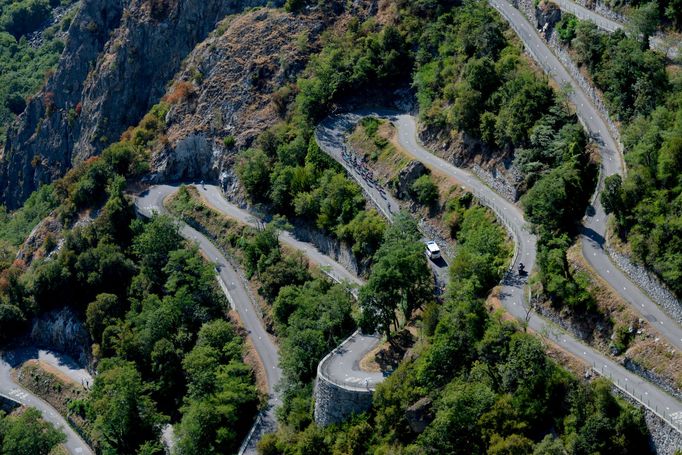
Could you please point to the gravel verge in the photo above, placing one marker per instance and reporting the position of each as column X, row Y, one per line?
column 649, row 283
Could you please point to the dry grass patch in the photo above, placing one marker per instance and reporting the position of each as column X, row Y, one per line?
column 52, row 386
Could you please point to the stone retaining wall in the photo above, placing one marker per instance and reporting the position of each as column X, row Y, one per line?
column 334, row 404
column 665, row 440
column 603, row 10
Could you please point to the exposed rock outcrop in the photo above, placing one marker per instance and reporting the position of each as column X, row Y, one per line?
column 118, row 58
column 407, row 176
column 225, row 90
column 42, row 240
column 62, row 331
column 39, row 144
column 490, row 164
column 419, row 415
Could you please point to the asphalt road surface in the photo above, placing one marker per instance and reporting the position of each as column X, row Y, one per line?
column 10, row 389
column 62, row 362
column 341, row 366
column 512, row 294
column 331, row 136
column 609, row 25
column 342, row 369
column 214, row 197
column 150, row 202
column 594, row 223
column 587, row 14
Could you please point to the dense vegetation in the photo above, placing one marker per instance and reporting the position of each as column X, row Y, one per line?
column 400, row 282
column 289, row 172
column 647, row 205
column 481, row 384
column 23, row 68
column 631, row 76
column 665, row 12
column 310, row 314
column 648, row 99
column 166, row 352
column 472, row 79
column 26, row 433
column 153, row 309
column 16, row 227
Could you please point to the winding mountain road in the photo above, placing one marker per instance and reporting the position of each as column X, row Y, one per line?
column 342, row 366
column 150, row 202
column 15, row 392
column 587, row 14
column 594, row 224
column 331, row 135
column 657, row 42
column 214, row 197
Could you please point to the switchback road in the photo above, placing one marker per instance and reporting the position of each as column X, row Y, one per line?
column 150, row 202
column 511, row 294
column 594, row 224
column 342, row 366
column 10, row 389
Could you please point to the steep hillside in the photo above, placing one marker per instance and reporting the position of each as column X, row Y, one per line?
column 118, row 58
column 227, row 92
column 238, row 83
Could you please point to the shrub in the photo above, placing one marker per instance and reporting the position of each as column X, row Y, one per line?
column 229, row 141
column 425, row 190
column 180, row 92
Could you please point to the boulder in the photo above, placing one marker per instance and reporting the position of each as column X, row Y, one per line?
column 419, row 415
column 407, row 177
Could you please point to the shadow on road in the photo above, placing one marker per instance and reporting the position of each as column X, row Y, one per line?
column 18, row 356
column 593, row 235
column 440, row 263
column 515, row 279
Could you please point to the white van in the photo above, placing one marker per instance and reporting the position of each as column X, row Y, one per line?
column 432, row 250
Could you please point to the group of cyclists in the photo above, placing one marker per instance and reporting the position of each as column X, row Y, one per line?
column 362, row 169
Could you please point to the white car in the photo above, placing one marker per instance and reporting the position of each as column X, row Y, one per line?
column 432, row 250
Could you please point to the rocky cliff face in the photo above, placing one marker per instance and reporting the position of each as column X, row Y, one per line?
column 237, row 83
column 119, row 56
column 224, row 96
column 39, row 144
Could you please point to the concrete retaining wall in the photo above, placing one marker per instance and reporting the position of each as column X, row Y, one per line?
column 334, row 404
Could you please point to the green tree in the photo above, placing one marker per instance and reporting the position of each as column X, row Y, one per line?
column 552, row 202
column 28, row 434
column 364, row 232
column 644, row 21
column 214, row 424
column 611, row 197
column 254, row 173
column 124, row 415
column 153, row 245
column 455, row 429
column 400, row 278
column 588, row 44
column 425, row 190
column 102, row 313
